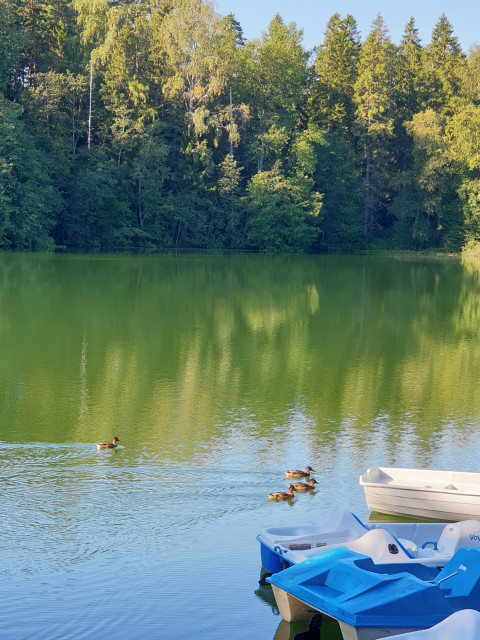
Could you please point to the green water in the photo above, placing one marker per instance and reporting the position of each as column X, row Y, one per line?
column 216, row 373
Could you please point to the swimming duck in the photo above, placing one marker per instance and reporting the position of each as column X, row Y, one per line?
column 108, row 445
column 304, row 486
column 296, row 473
column 282, row 495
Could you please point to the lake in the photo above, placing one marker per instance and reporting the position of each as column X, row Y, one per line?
column 216, row 373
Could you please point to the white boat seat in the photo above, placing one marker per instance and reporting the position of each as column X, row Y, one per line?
column 465, row 533
column 382, row 547
column 409, row 545
column 454, row 536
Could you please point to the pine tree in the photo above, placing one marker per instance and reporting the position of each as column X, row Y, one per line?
column 331, row 103
column 443, row 65
column 374, row 98
column 409, row 73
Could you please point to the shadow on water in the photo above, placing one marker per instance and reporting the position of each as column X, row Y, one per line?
column 375, row 516
column 330, row 629
column 288, row 630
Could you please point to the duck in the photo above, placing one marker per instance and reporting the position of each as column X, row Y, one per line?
column 296, row 473
column 304, row 486
column 282, row 495
column 108, row 445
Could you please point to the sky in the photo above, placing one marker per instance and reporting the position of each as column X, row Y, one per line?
column 312, row 16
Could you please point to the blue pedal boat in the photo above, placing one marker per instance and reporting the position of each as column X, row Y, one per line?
column 373, row 600
column 429, row 543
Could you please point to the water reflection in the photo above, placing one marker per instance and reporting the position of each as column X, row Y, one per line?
column 216, row 373
column 168, row 348
column 330, row 629
column 265, row 594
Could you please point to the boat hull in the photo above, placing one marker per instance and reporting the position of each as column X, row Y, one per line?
column 422, row 494
column 368, row 633
column 272, row 560
column 293, row 610
column 427, row 505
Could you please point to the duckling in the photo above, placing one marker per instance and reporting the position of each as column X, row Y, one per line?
column 282, row 495
column 296, row 473
column 108, row 445
column 304, row 486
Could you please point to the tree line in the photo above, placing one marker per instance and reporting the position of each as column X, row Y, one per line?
column 154, row 124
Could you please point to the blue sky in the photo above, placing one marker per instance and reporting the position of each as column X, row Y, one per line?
column 312, row 16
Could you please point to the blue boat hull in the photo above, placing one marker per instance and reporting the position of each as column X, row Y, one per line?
column 272, row 560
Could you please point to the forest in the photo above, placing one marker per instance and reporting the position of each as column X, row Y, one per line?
column 147, row 125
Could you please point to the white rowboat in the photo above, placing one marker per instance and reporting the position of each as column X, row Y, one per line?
column 423, row 493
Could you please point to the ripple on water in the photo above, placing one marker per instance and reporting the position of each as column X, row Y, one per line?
column 69, row 505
